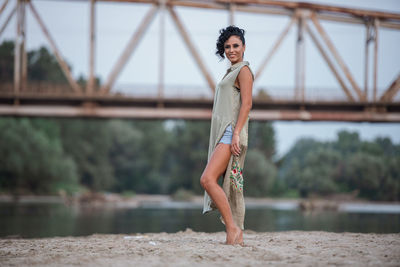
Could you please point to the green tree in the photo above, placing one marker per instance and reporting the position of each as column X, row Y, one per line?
column 262, row 137
column 316, row 173
column 7, row 61
column 43, row 66
column 259, row 174
column 88, row 142
column 347, row 143
column 388, row 148
column 187, row 154
column 296, row 156
column 343, row 165
column 124, row 155
column 153, row 154
column 32, row 160
column 365, row 172
column 390, row 184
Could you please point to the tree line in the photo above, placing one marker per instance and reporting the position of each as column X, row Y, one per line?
column 44, row 156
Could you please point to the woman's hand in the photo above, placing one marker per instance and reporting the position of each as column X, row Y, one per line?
column 235, row 146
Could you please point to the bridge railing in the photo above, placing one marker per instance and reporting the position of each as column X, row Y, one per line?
column 177, row 91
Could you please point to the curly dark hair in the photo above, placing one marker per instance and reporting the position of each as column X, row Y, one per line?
column 225, row 34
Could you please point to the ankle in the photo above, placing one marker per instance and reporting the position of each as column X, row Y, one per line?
column 232, row 227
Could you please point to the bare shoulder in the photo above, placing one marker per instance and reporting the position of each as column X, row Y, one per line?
column 245, row 74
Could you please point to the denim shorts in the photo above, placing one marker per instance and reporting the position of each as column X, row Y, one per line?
column 227, row 137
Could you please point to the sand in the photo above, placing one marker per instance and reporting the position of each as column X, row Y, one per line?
column 188, row 248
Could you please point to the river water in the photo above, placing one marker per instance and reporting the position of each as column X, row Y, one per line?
column 32, row 220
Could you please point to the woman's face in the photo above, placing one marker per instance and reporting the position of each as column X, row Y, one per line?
column 234, row 49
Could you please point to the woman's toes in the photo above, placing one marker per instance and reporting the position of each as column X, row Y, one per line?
column 233, row 236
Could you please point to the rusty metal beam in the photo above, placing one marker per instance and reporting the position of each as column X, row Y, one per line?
column 231, row 19
column 189, row 113
column 324, row 116
column 393, row 89
column 161, row 63
column 336, row 55
column 359, row 21
column 319, row 7
column 92, row 52
column 3, row 6
column 20, row 58
column 330, row 64
column 275, row 47
column 320, row 16
column 300, row 58
column 24, row 55
column 71, row 104
column 366, row 58
column 282, row 4
column 104, row 112
column 129, row 49
column 56, row 52
column 17, row 52
column 191, row 47
column 8, row 20
column 325, row 12
column 376, row 29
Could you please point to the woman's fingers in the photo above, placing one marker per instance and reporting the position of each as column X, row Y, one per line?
column 235, row 149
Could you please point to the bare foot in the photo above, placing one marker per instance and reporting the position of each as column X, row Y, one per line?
column 232, row 235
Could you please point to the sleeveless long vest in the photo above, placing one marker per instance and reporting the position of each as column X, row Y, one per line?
column 226, row 108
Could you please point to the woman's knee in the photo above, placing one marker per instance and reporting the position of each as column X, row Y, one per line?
column 206, row 181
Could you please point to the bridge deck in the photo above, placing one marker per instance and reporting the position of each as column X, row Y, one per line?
column 111, row 106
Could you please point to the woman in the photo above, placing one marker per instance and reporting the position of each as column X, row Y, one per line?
column 228, row 136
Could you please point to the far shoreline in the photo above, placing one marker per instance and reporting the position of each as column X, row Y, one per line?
column 114, row 200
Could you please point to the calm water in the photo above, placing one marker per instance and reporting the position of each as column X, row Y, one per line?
column 53, row 219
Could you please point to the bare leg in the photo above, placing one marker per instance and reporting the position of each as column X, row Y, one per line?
column 209, row 181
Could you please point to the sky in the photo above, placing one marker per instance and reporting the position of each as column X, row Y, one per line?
column 68, row 23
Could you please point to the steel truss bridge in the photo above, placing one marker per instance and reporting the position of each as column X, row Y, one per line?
column 25, row 98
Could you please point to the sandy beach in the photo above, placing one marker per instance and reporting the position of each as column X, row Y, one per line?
column 189, row 248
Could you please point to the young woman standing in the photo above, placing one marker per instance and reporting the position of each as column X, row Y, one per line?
column 229, row 136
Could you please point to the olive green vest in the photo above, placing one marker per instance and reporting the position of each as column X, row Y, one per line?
column 226, row 107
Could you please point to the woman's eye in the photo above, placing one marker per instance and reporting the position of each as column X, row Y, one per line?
column 227, row 47
column 236, row 45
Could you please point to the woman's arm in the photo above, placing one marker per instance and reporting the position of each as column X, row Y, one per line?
column 245, row 80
